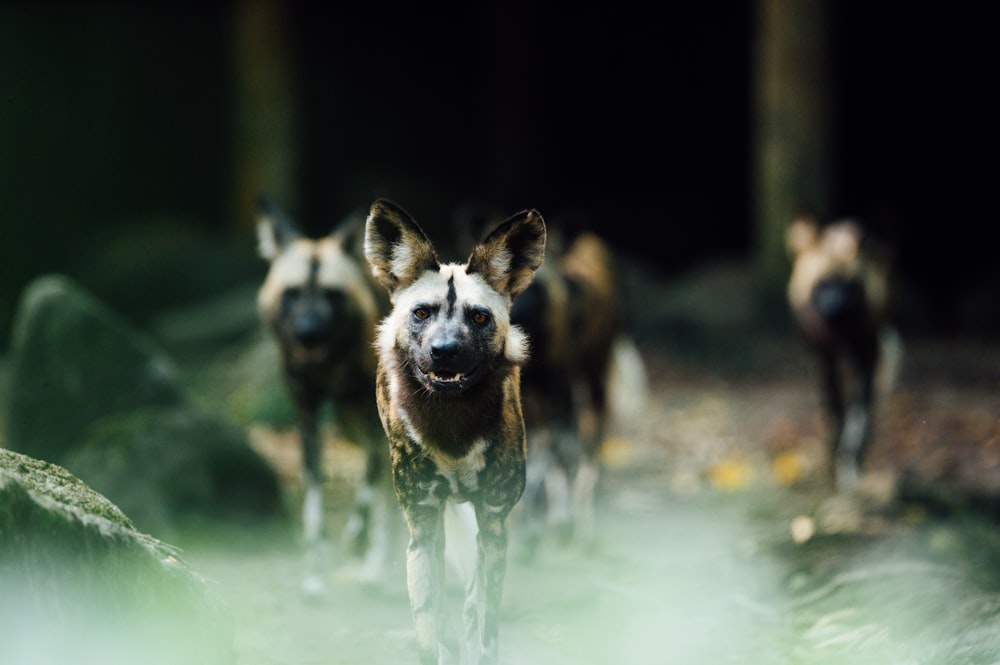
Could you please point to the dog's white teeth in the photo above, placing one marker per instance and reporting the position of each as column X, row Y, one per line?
column 442, row 378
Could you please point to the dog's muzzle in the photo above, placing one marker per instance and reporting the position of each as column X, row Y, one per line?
column 447, row 367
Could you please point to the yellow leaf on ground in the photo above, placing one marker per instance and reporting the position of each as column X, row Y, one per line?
column 787, row 467
column 616, row 452
column 731, row 475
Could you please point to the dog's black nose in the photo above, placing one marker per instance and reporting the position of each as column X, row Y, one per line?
column 309, row 330
column 444, row 348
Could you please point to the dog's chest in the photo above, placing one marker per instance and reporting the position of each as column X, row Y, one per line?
column 455, row 477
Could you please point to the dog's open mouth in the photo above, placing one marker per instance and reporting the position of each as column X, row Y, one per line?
column 309, row 355
column 441, row 379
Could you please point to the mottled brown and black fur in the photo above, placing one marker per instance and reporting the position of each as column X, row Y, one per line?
column 322, row 306
column 839, row 291
column 448, row 392
column 574, row 314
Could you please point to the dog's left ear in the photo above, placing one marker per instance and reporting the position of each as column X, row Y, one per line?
column 511, row 254
column 396, row 248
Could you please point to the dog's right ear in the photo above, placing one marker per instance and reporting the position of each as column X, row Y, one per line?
column 275, row 229
column 396, row 248
column 801, row 234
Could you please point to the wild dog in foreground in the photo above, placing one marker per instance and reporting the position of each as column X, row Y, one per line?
column 322, row 307
column 574, row 315
column 448, row 390
column 839, row 292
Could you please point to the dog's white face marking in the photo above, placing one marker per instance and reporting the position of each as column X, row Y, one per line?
column 291, row 267
column 833, row 251
column 432, row 287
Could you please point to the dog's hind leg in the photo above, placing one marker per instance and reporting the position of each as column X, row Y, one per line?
column 374, row 524
column 534, row 504
column 559, row 481
column 385, row 521
column 593, row 429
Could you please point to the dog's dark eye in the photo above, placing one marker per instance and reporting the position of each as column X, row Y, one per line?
column 421, row 313
column 290, row 295
column 480, row 317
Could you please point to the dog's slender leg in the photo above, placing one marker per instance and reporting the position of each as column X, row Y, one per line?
column 857, row 421
column 384, row 518
column 425, row 581
column 312, row 504
column 482, row 603
column 559, row 480
column 592, row 433
column 584, row 493
column 358, row 529
column 535, row 503
column 833, row 402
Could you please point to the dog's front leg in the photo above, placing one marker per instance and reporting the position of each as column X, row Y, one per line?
column 312, row 502
column 854, row 435
column 482, row 603
column 425, row 583
column 832, row 395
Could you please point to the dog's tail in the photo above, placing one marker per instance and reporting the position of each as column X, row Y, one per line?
column 460, row 530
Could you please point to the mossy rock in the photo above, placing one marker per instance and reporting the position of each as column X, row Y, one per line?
column 79, row 583
column 169, row 466
column 73, row 361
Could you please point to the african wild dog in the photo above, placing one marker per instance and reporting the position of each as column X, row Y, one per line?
column 573, row 313
column 839, row 292
column 322, row 307
column 449, row 397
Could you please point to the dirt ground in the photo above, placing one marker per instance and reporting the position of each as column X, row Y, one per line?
column 719, row 541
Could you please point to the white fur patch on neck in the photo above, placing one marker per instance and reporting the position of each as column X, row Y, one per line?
column 517, row 345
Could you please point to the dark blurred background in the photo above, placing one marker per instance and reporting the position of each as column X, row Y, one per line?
column 135, row 136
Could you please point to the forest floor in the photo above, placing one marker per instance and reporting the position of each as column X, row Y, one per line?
column 719, row 541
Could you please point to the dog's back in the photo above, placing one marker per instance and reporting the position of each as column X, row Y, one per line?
column 573, row 314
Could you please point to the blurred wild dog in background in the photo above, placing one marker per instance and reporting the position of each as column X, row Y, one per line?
column 449, row 396
column 575, row 314
column 840, row 292
column 322, row 306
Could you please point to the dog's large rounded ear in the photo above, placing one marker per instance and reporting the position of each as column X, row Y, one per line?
column 350, row 233
column 396, row 248
column 801, row 234
column 508, row 257
column 275, row 229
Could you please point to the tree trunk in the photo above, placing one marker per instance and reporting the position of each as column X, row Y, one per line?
column 791, row 130
column 265, row 145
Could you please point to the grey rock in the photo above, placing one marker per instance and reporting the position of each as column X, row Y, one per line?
column 167, row 466
column 73, row 361
column 80, row 584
